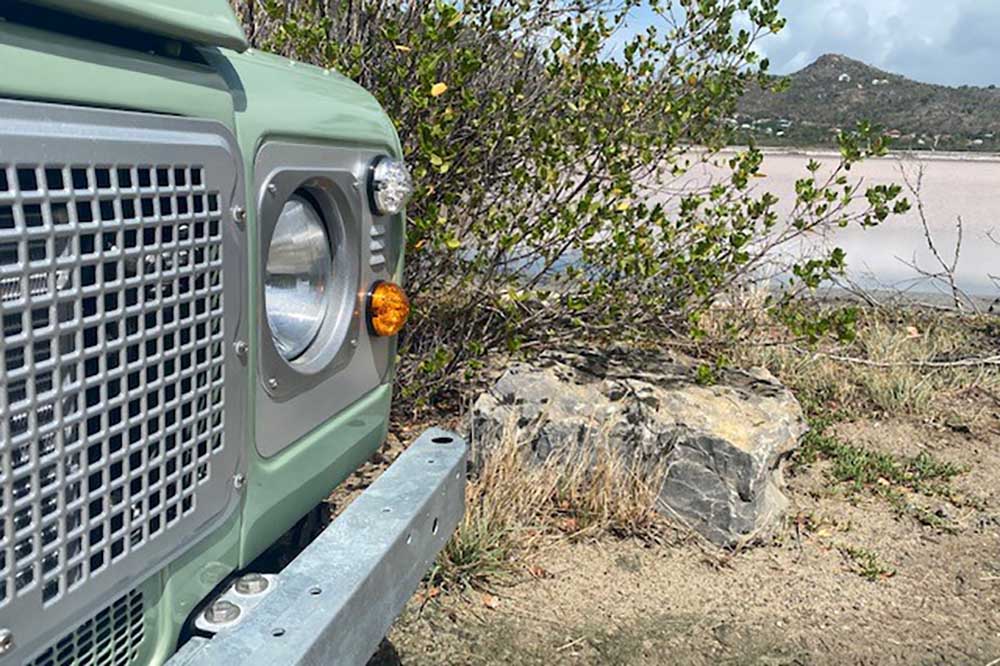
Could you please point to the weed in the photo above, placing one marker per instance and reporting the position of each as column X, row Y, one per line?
column 862, row 467
column 888, row 476
column 866, row 563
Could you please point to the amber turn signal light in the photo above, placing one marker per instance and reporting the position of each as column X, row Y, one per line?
column 388, row 308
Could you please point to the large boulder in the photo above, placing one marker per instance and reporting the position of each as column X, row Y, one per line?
column 720, row 445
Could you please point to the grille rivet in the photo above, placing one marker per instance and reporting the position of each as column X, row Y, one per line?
column 272, row 383
column 6, row 641
column 241, row 349
column 238, row 481
column 272, row 189
column 252, row 583
column 222, row 612
column 239, row 214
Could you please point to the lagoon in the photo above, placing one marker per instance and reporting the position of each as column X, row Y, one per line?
column 954, row 186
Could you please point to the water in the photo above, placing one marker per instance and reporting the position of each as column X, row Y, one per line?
column 953, row 186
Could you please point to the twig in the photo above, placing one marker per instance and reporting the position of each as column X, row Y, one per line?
column 571, row 644
column 964, row 362
column 948, row 270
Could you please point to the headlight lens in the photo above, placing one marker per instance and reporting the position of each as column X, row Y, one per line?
column 389, row 185
column 299, row 270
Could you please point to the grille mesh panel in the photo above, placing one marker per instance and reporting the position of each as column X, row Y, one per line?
column 111, row 372
column 110, row 638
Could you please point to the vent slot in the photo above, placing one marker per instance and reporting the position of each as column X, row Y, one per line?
column 110, row 638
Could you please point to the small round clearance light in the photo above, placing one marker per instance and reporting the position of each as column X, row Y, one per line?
column 389, row 185
column 388, row 308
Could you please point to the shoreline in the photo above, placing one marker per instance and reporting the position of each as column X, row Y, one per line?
column 895, row 155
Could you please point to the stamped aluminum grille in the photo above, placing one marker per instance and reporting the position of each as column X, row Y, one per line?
column 110, row 638
column 116, row 389
column 112, row 363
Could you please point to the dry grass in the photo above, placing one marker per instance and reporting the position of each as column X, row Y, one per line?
column 885, row 370
column 517, row 505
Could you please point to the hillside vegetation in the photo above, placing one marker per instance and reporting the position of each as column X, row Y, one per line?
column 836, row 92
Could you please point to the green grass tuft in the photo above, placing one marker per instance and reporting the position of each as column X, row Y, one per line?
column 866, row 563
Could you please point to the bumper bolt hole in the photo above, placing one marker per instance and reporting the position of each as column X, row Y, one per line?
column 277, row 632
column 315, row 591
column 443, row 440
column 434, row 527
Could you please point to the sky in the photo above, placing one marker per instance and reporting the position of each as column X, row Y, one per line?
column 952, row 42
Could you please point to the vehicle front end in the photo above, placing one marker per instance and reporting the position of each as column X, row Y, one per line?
column 200, row 260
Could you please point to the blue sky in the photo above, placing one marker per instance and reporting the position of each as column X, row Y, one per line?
column 944, row 41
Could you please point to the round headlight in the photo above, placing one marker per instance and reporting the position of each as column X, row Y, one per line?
column 389, row 185
column 299, row 270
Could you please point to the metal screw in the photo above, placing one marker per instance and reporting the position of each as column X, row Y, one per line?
column 222, row 612
column 241, row 349
column 272, row 383
column 354, row 342
column 239, row 214
column 272, row 189
column 252, row 583
column 239, row 481
column 6, row 641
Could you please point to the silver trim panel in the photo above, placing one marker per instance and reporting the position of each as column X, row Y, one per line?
column 291, row 398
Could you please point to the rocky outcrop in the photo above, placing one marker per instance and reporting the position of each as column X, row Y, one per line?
column 720, row 445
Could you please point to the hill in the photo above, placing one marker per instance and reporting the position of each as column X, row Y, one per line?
column 836, row 92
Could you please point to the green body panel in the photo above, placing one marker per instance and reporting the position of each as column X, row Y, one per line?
column 208, row 22
column 38, row 67
column 258, row 97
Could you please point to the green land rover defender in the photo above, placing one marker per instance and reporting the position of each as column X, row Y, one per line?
column 200, row 257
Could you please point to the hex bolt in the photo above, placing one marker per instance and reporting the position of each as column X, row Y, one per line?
column 222, row 612
column 239, row 214
column 6, row 641
column 252, row 583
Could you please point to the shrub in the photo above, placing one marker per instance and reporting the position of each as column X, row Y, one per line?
column 542, row 135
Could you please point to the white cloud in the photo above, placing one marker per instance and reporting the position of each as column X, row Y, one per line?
column 951, row 42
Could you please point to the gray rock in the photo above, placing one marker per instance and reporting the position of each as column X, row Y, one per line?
column 720, row 445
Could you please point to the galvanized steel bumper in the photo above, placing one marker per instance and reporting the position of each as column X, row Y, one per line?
column 335, row 601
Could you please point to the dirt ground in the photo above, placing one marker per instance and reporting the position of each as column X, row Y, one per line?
column 848, row 580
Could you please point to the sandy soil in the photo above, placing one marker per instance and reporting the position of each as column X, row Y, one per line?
column 798, row 599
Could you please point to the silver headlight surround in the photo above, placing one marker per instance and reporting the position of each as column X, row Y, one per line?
column 390, row 185
column 333, row 194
